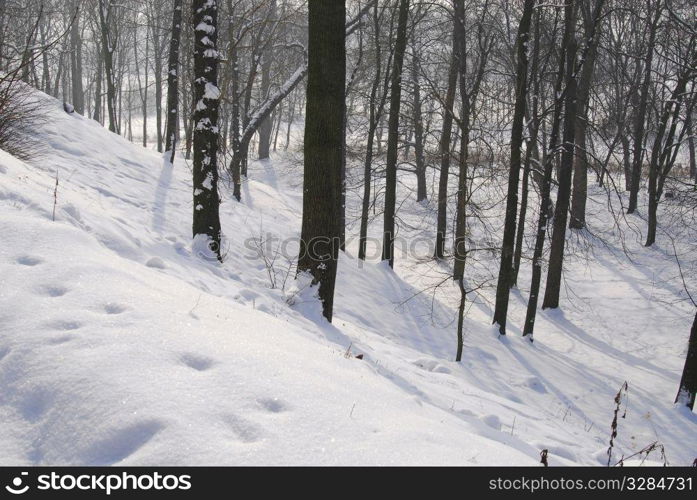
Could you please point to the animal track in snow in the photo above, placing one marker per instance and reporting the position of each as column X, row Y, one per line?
column 114, row 308
column 64, row 325
column 431, row 365
column 492, row 421
column 121, row 443
column 53, row 290
column 248, row 294
column 273, row 405
column 244, row 430
column 34, row 403
column 196, row 361
column 29, row 260
column 62, row 339
column 156, row 262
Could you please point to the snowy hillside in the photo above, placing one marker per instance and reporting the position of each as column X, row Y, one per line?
column 120, row 345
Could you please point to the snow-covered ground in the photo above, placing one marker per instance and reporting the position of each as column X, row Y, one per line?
column 119, row 345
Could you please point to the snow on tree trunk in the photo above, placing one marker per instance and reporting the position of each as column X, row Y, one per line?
column 206, row 220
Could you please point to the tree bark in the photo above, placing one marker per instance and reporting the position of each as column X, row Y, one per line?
column 419, row 160
column 108, row 47
column 97, row 115
column 556, row 256
column 267, row 60
column 393, row 135
column 580, row 176
column 662, row 157
column 173, row 83
column 688, row 382
column 691, row 144
column 375, row 111
column 531, row 151
column 158, row 42
column 206, row 220
column 546, row 210
column 506, row 268
column 641, row 112
column 323, row 143
column 76, row 64
column 444, row 152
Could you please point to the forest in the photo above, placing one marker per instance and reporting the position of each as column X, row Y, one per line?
column 459, row 185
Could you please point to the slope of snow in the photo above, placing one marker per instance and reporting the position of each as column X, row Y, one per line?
column 120, row 345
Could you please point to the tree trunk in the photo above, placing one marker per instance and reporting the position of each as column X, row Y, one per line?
column 688, row 382
column 235, row 164
column 373, row 120
column 662, row 158
column 76, row 64
column 531, row 151
column 45, row 71
column 159, row 56
column 418, row 129
column 459, row 243
column 556, row 256
column 626, row 162
column 108, row 46
column 580, row 176
column 546, row 209
column 393, row 135
column 267, row 60
column 641, row 114
column 444, row 151
column 324, row 118
column 173, row 83
column 506, row 268
column 289, row 125
column 206, row 220
column 97, row 115
column 691, row 144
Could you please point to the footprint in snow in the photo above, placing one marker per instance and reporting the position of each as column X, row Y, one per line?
column 431, row 366
column 273, row 405
column 492, row 421
column 114, row 308
column 244, row 430
column 29, row 260
column 120, row 443
column 535, row 384
column 248, row 294
column 156, row 262
column 53, row 290
column 62, row 339
column 64, row 325
column 35, row 402
column 196, row 361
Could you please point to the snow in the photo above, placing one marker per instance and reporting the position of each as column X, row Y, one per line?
column 205, row 27
column 123, row 342
column 211, row 91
